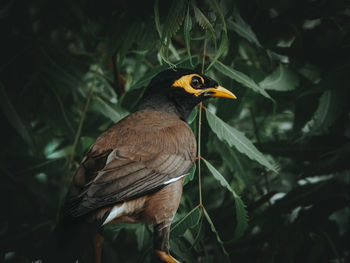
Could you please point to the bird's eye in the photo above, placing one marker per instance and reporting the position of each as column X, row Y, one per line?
column 196, row 83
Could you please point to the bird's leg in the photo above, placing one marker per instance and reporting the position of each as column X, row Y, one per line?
column 98, row 241
column 161, row 243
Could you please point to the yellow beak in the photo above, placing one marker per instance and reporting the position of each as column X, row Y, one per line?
column 220, row 92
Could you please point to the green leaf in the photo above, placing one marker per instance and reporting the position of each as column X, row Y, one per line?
column 241, row 213
column 188, row 221
column 193, row 115
column 222, row 48
column 224, row 39
column 242, row 28
column 171, row 25
column 204, row 22
column 190, row 176
column 173, row 20
column 64, row 152
column 213, row 229
column 187, row 36
column 157, row 18
column 146, row 79
column 140, row 232
column 241, row 78
column 106, row 109
column 237, row 139
column 14, row 119
column 281, row 79
column 329, row 108
column 218, row 10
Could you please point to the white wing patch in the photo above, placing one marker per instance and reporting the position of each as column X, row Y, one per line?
column 115, row 212
column 175, row 179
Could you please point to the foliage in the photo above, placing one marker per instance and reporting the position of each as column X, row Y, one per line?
column 70, row 69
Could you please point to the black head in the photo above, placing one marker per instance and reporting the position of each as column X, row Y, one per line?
column 182, row 89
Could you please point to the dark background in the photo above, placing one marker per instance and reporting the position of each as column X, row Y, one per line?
column 70, row 69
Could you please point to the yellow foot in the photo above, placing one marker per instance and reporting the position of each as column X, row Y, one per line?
column 166, row 257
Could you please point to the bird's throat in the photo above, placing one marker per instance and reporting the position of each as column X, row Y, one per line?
column 180, row 106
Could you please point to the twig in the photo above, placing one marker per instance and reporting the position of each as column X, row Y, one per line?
column 77, row 135
column 199, row 136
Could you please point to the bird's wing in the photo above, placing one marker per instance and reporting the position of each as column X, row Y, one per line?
column 130, row 160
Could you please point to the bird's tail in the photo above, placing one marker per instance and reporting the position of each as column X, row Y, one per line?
column 71, row 238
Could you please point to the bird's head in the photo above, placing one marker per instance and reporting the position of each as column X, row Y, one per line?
column 182, row 88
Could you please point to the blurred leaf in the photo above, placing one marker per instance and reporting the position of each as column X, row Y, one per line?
column 222, row 48
column 64, row 152
column 242, row 28
column 105, row 109
column 237, row 139
column 241, row 213
column 281, row 79
column 14, row 119
column 329, row 108
column 187, row 31
column 241, row 78
column 157, row 18
column 140, row 234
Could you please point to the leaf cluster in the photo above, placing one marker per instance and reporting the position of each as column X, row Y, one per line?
column 275, row 184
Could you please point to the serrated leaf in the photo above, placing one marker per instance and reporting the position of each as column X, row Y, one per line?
column 241, row 213
column 242, row 28
column 14, row 119
column 224, row 39
column 187, row 36
column 237, row 139
column 218, row 10
column 213, row 229
column 105, row 109
column 204, row 22
column 188, row 221
column 281, row 79
column 173, row 20
column 241, row 78
column 171, row 25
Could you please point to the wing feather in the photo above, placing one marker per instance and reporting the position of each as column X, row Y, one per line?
column 133, row 158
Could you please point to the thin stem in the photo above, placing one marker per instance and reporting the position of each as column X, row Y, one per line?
column 199, row 155
column 204, row 54
column 78, row 133
column 256, row 131
column 199, row 133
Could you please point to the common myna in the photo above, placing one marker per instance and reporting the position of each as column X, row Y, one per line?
column 134, row 172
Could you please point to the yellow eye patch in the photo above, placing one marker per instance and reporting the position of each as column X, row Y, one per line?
column 185, row 83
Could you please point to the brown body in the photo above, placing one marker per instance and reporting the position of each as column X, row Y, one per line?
column 136, row 169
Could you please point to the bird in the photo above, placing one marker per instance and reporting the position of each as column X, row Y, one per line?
column 134, row 171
